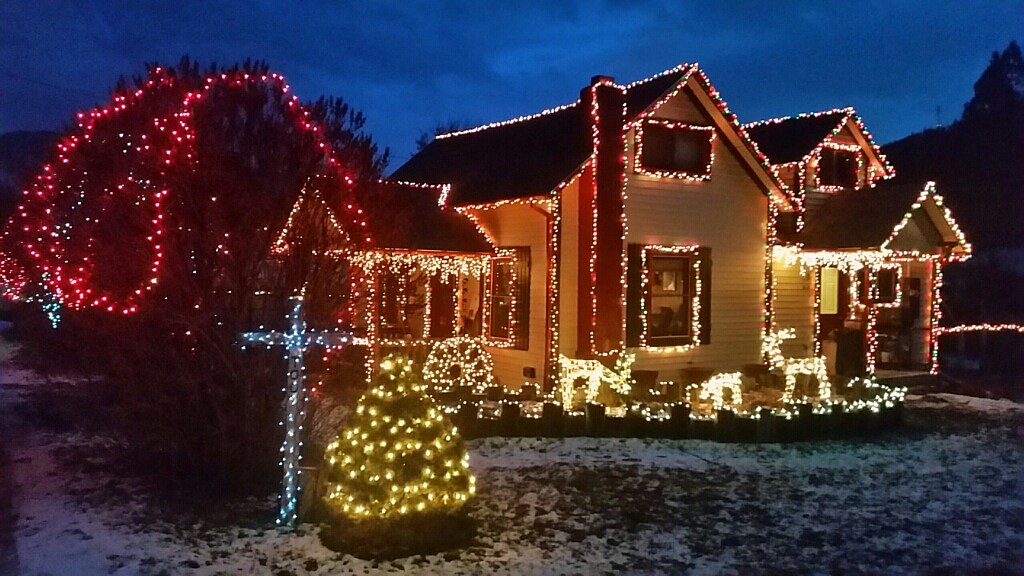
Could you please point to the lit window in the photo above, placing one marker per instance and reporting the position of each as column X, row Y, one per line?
column 670, row 315
column 668, row 296
column 508, row 299
column 501, row 287
column 829, row 303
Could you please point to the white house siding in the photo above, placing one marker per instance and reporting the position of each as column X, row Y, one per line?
column 794, row 307
column 726, row 213
column 520, row 226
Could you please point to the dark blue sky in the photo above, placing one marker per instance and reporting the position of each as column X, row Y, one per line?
column 412, row 64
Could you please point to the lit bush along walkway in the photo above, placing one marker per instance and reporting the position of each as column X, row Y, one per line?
column 804, row 422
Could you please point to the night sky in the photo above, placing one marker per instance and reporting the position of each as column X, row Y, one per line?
column 412, row 64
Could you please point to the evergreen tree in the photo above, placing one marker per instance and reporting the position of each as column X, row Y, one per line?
column 999, row 91
column 975, row 163
column 976, row 160
column 399, row 454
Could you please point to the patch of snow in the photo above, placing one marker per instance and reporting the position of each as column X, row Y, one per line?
column 897, row 504
column 973, row 403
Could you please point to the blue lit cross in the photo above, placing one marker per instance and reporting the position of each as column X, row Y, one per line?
column 296, row 340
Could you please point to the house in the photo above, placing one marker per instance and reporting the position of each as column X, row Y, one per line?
column 643, row 218
column 857, row 265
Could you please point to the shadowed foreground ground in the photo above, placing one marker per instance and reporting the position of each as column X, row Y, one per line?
column 944, row 496
column 8, row 548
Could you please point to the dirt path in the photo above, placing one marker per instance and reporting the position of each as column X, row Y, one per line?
column 8, row 512
column 8, row 548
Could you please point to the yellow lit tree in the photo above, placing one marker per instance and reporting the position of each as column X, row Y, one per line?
column 399, row 454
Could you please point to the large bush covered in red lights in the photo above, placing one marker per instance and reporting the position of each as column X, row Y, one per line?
column 149, row 232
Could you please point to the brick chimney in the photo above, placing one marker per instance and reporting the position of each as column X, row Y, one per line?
column 599, row 299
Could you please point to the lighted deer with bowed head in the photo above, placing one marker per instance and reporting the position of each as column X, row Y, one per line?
column 771, row 347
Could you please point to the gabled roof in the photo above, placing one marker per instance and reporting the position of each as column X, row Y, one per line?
column 859, row 219
column 397, row 216
column 870, row 218
column 320, row 197
column 643, row 94
column 532, row 155
column 794, row 138
column 516, row 159
column 407, row 217
column 785, row 140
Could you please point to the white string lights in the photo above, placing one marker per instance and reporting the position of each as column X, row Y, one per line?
column 699, row 176
column 457, row 362
column 724, row 390
column 693, row 252
column 793, row 368
column 593, row 373
column 378, row 261
column 929, row 190
column 967, row 328
column 296, row 341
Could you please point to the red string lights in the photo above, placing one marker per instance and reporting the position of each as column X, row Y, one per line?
column 51, row 243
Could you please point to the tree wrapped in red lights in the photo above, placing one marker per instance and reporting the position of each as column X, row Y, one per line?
column 153, row 226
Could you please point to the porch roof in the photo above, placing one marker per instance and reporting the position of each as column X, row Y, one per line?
column 790, row 139
column 858, row 219
column 408, row 218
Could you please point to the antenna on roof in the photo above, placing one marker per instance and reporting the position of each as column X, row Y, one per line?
column 938, row 116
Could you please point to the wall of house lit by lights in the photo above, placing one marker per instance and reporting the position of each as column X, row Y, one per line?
column 725, row 211
column 520, row 225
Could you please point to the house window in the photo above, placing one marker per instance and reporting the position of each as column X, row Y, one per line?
column 508, row 299
column 670, row 315
column 886, row 288
column 668, row 302
column 441, row 311
column 674, row 150
column 392, row 292
column 838, row 168
column 501, row 288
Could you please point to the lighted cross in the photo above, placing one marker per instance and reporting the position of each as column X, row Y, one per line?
column 296, row 340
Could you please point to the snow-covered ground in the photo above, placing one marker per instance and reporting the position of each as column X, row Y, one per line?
column 946, row 492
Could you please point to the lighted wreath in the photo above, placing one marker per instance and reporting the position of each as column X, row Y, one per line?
column 459, row 361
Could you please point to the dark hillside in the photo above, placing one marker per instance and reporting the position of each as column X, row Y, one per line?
column 978, row 161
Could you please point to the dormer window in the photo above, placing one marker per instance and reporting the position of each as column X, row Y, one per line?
column 674, row 150
column 838, row 168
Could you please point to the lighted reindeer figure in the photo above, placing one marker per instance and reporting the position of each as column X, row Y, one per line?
column 793, row 367
column 724, row 391
column 594, row 374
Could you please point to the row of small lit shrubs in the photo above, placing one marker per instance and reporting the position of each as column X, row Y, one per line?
column 803, row 422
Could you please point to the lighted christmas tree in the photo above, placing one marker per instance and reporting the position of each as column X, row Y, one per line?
column 399, row 454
